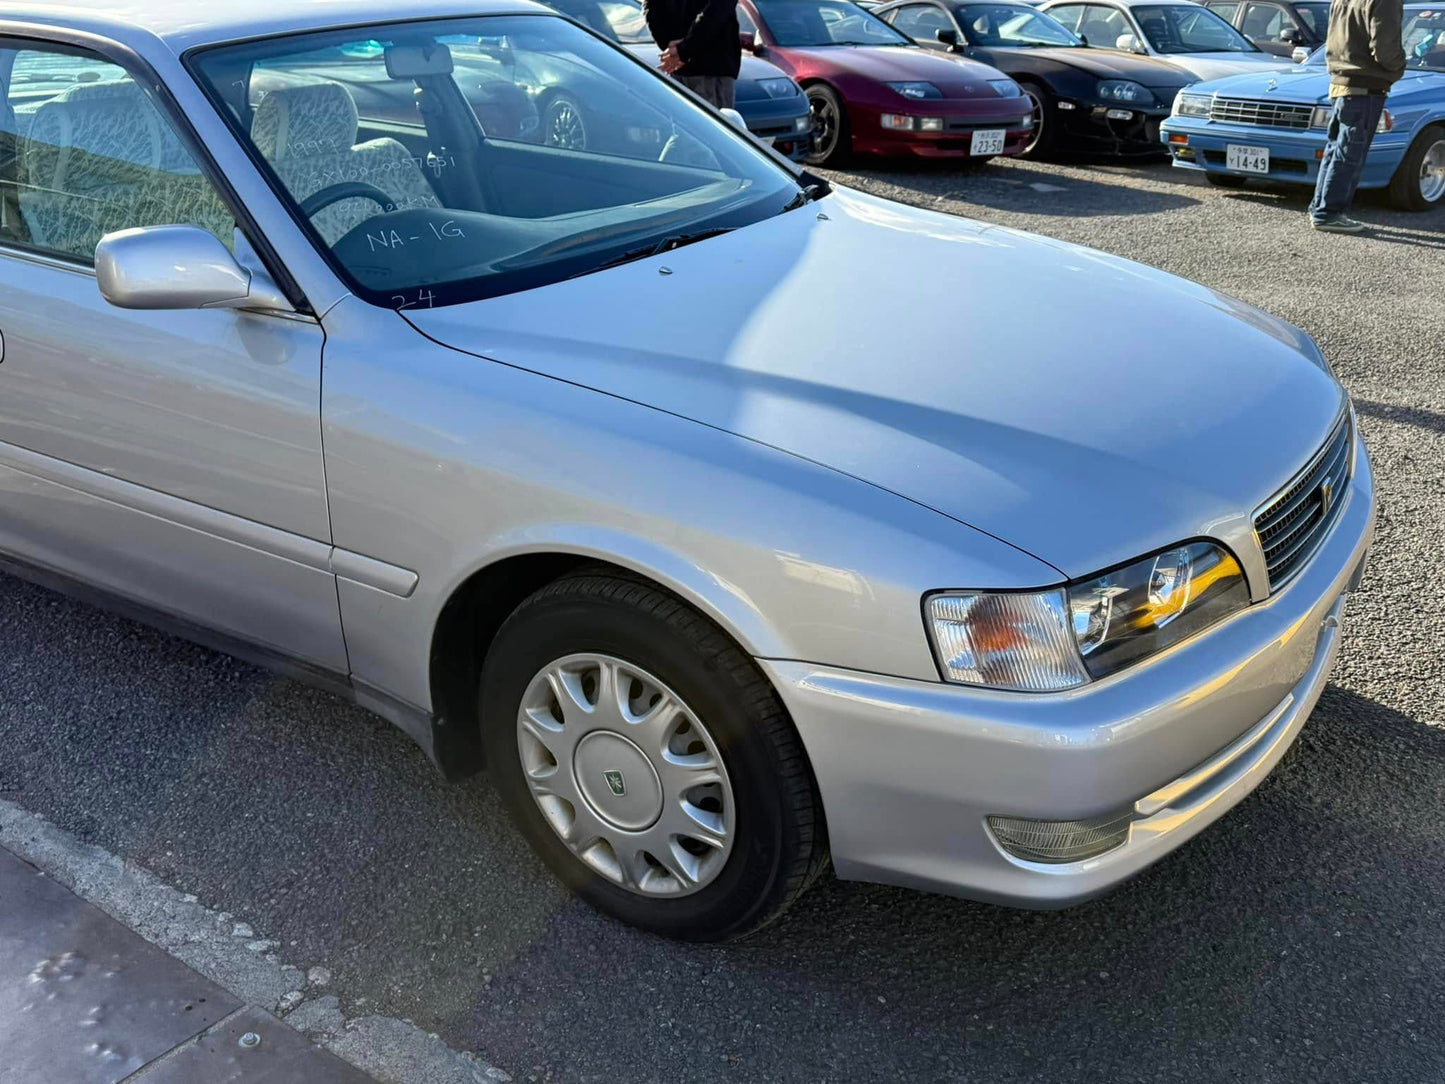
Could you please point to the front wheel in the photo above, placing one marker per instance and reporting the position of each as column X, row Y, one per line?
column 832, row 134
column 1041, row 141
column 647, row 761
column 564, row 125
column 1419, row 182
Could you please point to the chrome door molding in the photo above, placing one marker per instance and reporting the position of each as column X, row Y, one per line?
column 272, row 541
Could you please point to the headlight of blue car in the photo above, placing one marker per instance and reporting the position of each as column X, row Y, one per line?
column 778, row 88
column 1187, row 104
column 1125, row 90
column 1320, row 118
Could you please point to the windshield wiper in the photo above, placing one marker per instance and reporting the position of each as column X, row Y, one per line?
column 657, row 248
column 814, row 188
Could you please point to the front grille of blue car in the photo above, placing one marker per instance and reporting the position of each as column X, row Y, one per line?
column 1265, row 114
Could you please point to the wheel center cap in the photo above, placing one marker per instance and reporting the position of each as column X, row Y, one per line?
column 617, row 780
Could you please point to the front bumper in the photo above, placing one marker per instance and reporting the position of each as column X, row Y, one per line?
column 955, row 141
column 1087, row 126
column 1294, row 156
column 909, row 771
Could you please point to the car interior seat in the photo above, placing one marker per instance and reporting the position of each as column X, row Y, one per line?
column 308, row 133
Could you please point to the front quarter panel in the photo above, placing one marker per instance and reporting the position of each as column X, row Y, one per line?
column 443, row 462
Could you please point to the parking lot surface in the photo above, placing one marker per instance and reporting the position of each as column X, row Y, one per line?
column 1299, row 939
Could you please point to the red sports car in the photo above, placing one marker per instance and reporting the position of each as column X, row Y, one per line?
column 873, row 91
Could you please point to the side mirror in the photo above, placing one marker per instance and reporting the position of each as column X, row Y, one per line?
column 1300, row 55
column 735, row 119
column 1128, row 43
column 749, row 42
column 1084, row 38
column 179, row 267
column 947, row 37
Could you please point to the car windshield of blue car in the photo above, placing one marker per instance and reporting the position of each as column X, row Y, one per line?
column 1189, row 28
column 1003, row 25
column 1425, row 40
column 1315, row 16
column 451, row 160
column 617, row 20
column 803, row 24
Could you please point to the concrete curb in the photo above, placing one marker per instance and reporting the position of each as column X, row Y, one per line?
column 237, row 958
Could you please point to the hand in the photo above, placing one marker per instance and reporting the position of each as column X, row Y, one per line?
column 671, row 61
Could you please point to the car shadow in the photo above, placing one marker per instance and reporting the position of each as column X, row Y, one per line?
column 1385, row 221
column 1303, row 913
column 1432, row 420
column 1025, row 186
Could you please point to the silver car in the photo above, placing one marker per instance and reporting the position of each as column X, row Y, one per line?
column 731, row 522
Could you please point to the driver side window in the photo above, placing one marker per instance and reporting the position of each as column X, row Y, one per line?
column 86, row 153
column 921, row 22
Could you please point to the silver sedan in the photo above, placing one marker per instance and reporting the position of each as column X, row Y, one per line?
column 733, row 522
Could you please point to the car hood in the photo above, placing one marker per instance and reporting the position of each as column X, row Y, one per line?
column 1221, row 65
column 1304, row 85
column 1109, row 64
column 1084, row 408
column 954, row 76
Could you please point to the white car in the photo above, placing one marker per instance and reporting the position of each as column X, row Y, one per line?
column 1185, row 33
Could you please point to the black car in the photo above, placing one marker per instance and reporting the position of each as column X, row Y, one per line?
column 1085, row 99
column 1277, row 26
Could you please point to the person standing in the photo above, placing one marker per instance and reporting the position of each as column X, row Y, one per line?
column 699, row 43
column 1365, row 52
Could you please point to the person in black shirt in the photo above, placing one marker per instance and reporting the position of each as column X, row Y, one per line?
column 699, row 43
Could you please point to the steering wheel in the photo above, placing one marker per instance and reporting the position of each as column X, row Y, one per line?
column 335, row 193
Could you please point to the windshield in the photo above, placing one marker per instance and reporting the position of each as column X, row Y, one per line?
column 446, row 161
column 616, row 20
column 1189, row 28
column 1425, row 40
column 1315, row 16
column 1011, row 24
column 800, row 24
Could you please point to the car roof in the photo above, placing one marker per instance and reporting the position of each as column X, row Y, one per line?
column 178, row 25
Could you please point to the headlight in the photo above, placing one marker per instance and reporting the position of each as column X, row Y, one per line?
column 1144, row 607
column 1006, row 88
column 1045, row 641
column 778, row 88
column 1192, row 105
column 1320, row 118
column 1124, row 90
column 916, row 91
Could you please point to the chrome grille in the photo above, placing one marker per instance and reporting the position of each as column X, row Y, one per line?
column 1296, row 520
column 1267, row 114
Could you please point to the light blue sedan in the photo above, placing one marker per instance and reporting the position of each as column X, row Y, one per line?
column 1273, row 124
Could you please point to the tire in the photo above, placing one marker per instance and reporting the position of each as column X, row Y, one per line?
column 832, row 134
column 1419, row 181
column 564, row 124
column 765, row 823
column 1045, row 129
column 1225, row 180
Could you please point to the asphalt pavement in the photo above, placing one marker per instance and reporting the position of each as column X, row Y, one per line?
column 1301, row 938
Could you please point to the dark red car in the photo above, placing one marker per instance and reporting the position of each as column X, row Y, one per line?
column 873, row 91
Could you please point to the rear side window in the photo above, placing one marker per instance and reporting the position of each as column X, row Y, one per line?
column 88, row 153
column 1224, row 11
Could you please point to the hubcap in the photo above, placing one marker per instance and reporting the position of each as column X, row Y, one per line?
column 565, row 127
column 1038, row 120
column 1432, row 173
column 626, row 774
column 825, row 126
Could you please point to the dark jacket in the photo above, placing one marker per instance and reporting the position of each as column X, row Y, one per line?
column 707, row 30
column 1365, row 48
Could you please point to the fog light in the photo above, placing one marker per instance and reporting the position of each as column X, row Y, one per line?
column 1119, row 114
column 1061, row 841
column 803, row 123
column 897, row 122
column 930, row 124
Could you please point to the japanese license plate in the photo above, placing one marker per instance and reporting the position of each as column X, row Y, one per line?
column 987, row 141
column 1246, row 159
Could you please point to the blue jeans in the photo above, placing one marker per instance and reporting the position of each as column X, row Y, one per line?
column 1352, row 128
